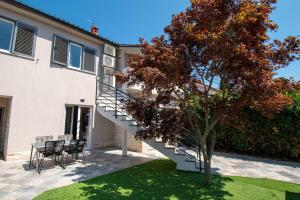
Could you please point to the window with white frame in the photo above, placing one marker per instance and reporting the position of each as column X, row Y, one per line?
column 6, row 34
column 73, row 55
column 16, row 37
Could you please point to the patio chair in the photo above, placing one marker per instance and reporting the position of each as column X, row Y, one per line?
column 39, row 141
column 46, row 152
column 80, row 149
column 67, row 138
column 58, row 152
column 72, row 149
column 43, row 139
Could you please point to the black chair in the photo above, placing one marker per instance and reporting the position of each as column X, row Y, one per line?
column 58, row 152
column 52, row 149
column 80, row 149
column 72, row 149
column 46, row 152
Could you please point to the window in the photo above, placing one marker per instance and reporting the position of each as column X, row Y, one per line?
column 24, row 39
column 89, row 59
column 60, row 50
column 75, row 55
column 6, row 34
column 16, row 37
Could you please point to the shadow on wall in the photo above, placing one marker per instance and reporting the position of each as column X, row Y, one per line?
column 149, row 182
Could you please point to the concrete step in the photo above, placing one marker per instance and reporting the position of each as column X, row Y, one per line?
column 177, row 154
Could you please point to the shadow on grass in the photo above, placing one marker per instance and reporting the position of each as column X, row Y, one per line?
column 292, row 196
column 155, row 180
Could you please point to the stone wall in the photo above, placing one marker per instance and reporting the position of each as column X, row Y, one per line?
column 133, row 144
column 4, row 103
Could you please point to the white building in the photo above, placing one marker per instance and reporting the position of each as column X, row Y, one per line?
column 48, row 71
column 56, row 79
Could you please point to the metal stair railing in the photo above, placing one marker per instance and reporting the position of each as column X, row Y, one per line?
column 189, row 142
column 120, row 98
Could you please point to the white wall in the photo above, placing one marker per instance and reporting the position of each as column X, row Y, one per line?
column 40, row 90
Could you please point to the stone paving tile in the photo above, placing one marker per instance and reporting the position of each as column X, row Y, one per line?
column 17, row 182
column 4, row 194
column 240, row 165
column 288, row 175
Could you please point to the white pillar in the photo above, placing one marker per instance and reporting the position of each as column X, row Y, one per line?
column 78, row 122
column 89, row 136
column 124, row 143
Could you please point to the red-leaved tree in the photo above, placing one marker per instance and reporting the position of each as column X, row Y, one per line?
column 215, row 59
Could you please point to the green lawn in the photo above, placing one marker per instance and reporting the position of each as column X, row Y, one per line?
column 159, row 180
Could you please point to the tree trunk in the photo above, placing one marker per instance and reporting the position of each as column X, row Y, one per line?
column 207, row 152
column 207, row 171
column 207, row 165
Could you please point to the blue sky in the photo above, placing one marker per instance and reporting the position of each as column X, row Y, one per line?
column 125, row 21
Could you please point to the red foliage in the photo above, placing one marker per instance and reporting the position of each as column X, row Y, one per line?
column 215, row 43
column 222, row 44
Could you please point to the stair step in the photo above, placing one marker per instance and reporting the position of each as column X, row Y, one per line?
column 180, row 150
column 111, row 96
column 126, row 117
column 169, row 146
column 133, row 125
column 112, row 110
column 159, row 140
column 131, row 122
column 121, row 115
column 181, row 155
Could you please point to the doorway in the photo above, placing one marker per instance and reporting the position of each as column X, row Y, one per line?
column 84, row 123
column 78, row 121
column 1, row 132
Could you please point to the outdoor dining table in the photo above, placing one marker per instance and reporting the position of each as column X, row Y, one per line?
column 38, row 148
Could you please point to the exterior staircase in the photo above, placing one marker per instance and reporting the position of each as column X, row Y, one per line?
column 110, row 104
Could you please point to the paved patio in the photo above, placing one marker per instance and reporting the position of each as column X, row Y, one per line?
column 239, row 165
column 17, row 182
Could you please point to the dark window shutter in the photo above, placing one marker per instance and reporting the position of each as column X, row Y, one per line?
column 89, row 59
column 24, row 39
column 60, row 50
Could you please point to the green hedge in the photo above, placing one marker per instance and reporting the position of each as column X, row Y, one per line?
column 277, row 138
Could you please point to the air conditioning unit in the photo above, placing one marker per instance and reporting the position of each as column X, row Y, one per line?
column 109, row 50
column 108, row 71
column 108, row 61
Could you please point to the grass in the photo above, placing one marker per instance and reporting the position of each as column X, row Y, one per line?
column 159, row 180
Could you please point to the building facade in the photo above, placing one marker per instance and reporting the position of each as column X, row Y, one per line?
column 48, row 73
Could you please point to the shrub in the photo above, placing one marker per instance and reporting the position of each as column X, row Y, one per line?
column 277, row 138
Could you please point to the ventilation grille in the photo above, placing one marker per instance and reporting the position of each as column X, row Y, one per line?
column 108, row 71
column 60, row 50
column 109, row 50
column 108, row 61
column 24, row 40
column 89, row 59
